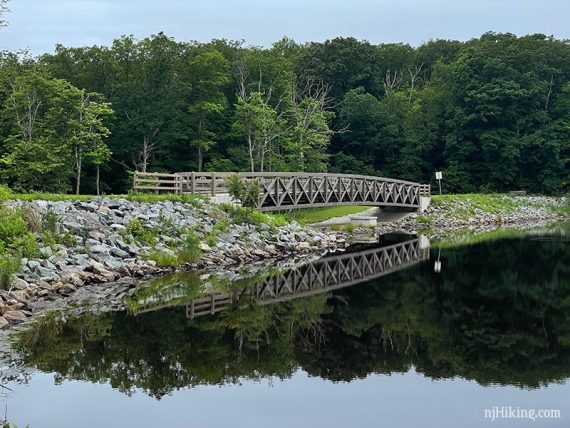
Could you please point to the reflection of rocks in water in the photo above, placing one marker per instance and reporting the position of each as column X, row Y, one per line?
column 498, row 314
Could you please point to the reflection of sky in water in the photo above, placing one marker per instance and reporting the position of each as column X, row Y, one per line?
column 407, row 400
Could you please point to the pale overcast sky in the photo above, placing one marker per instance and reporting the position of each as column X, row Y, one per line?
column 39, row 24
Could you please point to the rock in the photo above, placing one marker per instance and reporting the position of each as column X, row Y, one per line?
column 46, row 252
column 205, row 247
column 47, row 264
column 19, row 284
column 4, row 324
column 46, row 274
column 33, row 264
column 15, row 317
column 112, row 263
column 119, row 253
column 100, row 249
column 4, row 308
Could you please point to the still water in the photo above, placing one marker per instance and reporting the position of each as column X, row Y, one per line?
column 369, row 338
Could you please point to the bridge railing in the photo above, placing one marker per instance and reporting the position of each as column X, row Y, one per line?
column 425, row 190
column 157, row 182
column 289, row 190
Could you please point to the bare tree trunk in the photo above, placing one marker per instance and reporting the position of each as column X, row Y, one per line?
column 200, row 159
column 250, row 150
column 550, row 85
column 78, row 165
column 413, row 77
column 97, row 178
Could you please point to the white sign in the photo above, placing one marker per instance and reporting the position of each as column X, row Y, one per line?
column 438, row 175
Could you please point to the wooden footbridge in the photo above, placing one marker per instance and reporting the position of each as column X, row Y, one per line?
column 294, row 190
column 321, row 276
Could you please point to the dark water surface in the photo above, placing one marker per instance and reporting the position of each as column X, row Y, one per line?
column 373, row 338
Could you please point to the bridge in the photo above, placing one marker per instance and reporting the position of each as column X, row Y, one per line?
column 317, row 277
column 294, row 190
column 321, row 276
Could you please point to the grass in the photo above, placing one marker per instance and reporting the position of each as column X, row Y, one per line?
column 242, row 215
column 316, row 215
column 344, row 228
column 6, row 194
column 164, row 260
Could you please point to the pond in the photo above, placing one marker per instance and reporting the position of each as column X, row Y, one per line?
column 394, row 334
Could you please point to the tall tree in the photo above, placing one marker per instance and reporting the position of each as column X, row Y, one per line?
column 89, row 134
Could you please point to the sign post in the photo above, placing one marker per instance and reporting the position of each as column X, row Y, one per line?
column 438, row 177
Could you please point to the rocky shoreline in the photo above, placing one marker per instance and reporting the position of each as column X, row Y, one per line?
column 105, row 248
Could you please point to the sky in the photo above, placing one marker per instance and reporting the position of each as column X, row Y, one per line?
column 38, row 25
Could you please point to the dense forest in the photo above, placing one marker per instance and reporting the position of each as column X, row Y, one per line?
column 492, row 113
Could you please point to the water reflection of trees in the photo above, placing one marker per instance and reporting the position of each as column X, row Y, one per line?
column 499, row 313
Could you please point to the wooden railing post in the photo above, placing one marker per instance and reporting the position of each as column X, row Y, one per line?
column 213, row 184
column 193, row 182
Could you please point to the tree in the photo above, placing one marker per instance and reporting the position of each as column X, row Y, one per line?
column 55, row 125
column 89, row 134
column 309, row 131
column 208, row 76
column 259, row 124
column 37, row 156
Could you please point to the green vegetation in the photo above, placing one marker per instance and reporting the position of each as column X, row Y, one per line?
column 244, row 215
column 245, row 191
column 164, row 260
column 492, row 113
column 316, row 215
column 143, row 235
column 464, row 207
column 190, row 251
column 344, row 227
column 6, row 194
column 16, row 241
column 9, row 265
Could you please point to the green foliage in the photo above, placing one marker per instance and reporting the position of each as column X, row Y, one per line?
column 164, row 260
column 12, row 225
column 243, row 215
column 344, row 227
column 141, row 234
column 492, row 113
column 190, row 251
column 245, row 191
column 9, row 265
column 52, row 231
column 5, row 193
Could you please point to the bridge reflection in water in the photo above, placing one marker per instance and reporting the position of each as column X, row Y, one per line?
column 323, row 275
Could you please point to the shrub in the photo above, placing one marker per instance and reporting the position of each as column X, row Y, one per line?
column 26, row 246
column 12, row 225
column 9, row 265
column 190, row 252
column 33, row 219
column 141, row 234
column 5, row 193
column 50, row 222
column 245, row 191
